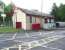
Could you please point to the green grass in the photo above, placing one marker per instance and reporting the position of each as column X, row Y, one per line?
column 8, row 29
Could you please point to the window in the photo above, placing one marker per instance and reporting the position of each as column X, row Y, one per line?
column 33, row 20
column 52, row 20
column 30, row 19
column 46, row 20
column 49, row 20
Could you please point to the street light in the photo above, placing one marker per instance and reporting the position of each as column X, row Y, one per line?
column 41, row 7
column 3, row 15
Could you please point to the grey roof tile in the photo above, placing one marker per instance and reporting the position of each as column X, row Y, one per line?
column 35, row 12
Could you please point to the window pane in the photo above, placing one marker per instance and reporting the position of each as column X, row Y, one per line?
column 52, row 20
column 46, row 20
column 30, row 19
column 33, row 19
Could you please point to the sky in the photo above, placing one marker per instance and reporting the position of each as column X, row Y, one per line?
column 35, row 4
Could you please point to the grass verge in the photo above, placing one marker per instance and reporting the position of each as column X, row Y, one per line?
column 8, row 29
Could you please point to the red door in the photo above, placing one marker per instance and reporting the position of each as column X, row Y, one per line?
column 18, row 25
column 36, row 26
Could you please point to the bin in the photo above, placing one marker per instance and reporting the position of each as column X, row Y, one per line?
column 57, row 24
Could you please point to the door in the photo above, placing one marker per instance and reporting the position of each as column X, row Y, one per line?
column 18, row 25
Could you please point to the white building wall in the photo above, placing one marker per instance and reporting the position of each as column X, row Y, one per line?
column 35, row 20
column 61, row 24
column 28, row 24
column 2, row 8
column 42, row 22
column 48, row 25
column 19, row 16
column 38, row 20
column 14, row 20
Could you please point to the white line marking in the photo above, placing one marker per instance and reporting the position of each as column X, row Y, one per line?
column 51, row 47
column 40, row 33
column 14, row 36
column 27, row 35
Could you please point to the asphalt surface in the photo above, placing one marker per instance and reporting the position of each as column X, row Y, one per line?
column 7, row 44
column 11, row 39
column 60, row 44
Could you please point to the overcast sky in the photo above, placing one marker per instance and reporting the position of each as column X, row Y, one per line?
column 36, row 4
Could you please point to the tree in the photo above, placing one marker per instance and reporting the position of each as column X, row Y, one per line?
column 61, row 12
column 1, row 7
column 58, row 12
column 55, row 11
column 8, row 10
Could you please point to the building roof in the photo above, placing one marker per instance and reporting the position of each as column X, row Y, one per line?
column 35, row 12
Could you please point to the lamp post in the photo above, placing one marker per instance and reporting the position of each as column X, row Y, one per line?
column 3, row 15
column 41, row 7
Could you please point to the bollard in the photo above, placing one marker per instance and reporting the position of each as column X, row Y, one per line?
column 40, row 33
column 7, row 48
column 19, row 47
